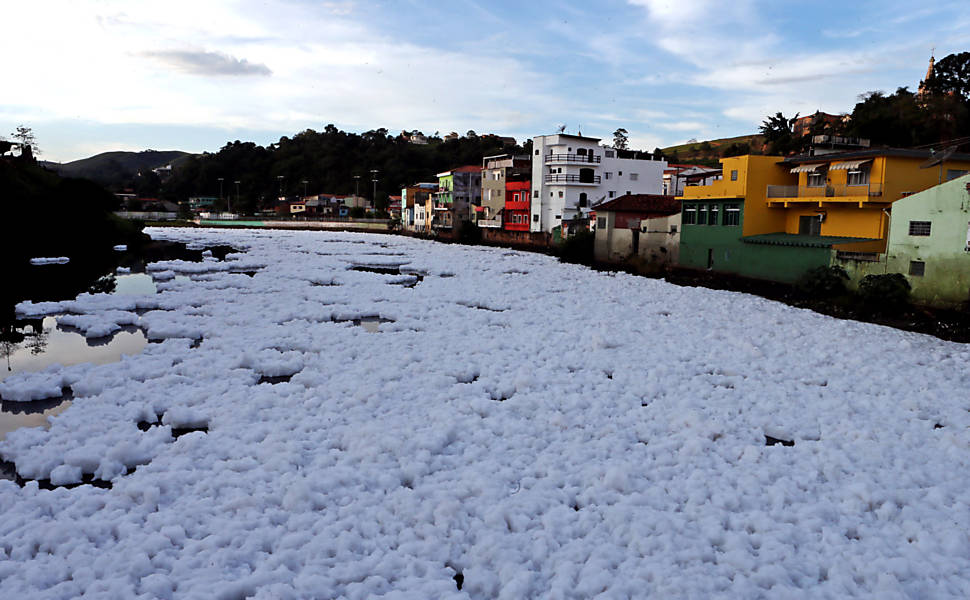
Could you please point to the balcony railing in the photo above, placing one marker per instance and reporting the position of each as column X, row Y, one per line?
column 495, row 223
column 840, row 190
column 567, row 178
column 573, row 158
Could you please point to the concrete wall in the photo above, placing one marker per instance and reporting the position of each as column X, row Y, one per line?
column 517, row 238
column 660, row 239
column 656, row 242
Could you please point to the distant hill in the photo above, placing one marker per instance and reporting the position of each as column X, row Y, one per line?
column 708, row 152
column 113, row 168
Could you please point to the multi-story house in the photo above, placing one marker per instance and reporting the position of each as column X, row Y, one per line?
column 774, row 218
column 515, row 214
column 459, row 190
column 497, row 172
column 412, row 197
column 571, row 173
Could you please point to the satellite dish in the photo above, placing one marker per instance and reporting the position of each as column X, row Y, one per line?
column 938, row 159
column 562, row 128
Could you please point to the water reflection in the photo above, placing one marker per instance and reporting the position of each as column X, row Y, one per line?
column 49, row 344
column 17, row 417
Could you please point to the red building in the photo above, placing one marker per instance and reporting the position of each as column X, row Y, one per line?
column 515, row 216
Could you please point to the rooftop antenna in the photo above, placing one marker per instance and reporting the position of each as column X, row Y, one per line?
column 562, row 128
column 579, row 131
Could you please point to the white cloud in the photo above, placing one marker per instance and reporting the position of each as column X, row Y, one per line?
column 113, row 62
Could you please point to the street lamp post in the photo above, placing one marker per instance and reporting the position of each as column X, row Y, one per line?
column 374, row 180
column 280, row 179
column 220, row 190
column 304, row 189
column 356, row 187
column 237, row 192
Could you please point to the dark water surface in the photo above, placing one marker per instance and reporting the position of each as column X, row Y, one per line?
column 33, row 344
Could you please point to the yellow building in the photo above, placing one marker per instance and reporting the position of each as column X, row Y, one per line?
column 850, row 194
column 774, row 218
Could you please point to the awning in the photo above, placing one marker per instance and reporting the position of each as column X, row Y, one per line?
column 807, row 168
column 849, row 165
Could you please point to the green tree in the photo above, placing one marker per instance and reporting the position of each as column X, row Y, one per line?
column 951, row 75
column 621, row 140
column 777, row 131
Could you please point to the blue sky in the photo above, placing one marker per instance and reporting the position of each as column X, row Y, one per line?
column 120, row 75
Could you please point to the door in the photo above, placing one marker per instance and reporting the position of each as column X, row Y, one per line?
column 809, row 225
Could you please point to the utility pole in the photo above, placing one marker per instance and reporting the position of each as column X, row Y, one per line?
column 356, row 187
column 304, row 189
column 280, row 179
column 220, row 191
column 237, row 192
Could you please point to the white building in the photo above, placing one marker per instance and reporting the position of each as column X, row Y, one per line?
column 677, row 177
column 571, row 173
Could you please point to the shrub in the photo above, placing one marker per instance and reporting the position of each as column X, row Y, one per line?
column 822, row 282
column 884, row 293
column 578, row 248
column 358, row 212
column 469, row 233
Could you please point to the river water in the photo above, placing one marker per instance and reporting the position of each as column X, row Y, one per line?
column 34, row 344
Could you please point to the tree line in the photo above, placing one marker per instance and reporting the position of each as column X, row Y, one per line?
column 326, row 160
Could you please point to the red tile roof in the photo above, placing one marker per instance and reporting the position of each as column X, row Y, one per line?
column 467, row 169
column 641, row 203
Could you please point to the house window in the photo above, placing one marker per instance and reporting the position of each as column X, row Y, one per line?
column 535, row 218
column 558, row 217
column 816, row 180
column 619, row 173
column 609, row 175
column 535, row 193
column 690, row 215
column 919, row 228
column 634, row 176
column 560, row 193
column 917, row 268
column 673, row 229
column 858, row 177
column 954, row 173
column 612, row 194
column 608, row 153
column 601, row 222
column 537, row 152
column 712, row 220
column 732, row 215
column 734, row 175
column 583, row 200
column 702, row 214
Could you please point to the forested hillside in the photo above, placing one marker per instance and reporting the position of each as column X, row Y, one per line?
column 328, row 161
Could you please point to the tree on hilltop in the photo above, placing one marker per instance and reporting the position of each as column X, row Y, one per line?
column 621, row 140
column 25, row 137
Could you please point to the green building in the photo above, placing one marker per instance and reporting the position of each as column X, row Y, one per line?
column 929, row 243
